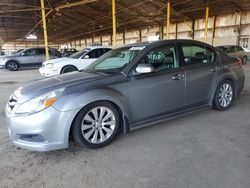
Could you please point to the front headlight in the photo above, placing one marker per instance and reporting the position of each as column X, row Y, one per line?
column 49, row 66
column 40, row 103
column 2, row 61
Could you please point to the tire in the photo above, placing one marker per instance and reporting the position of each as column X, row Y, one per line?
column 12, row 66
column 224, row 95
column 244, row 60
column 68, row 68
column 88, row 131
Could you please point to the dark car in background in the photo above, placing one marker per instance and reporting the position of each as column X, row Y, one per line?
column 66, row 52
column 31, row 57
column 127, row 88
column 236, row 51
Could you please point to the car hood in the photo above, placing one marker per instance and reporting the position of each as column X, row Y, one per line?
column 46, row 85
column 8, row 56
column 58, row 60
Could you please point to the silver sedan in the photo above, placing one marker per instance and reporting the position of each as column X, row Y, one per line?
column 129, row 87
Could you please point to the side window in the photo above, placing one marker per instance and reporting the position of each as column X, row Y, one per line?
column 239, row 49
column 40, row 51
column 93, row 54
column 162, row 58
column 105, row 50
column 30, row 52
column 231, row 50
column 197, row 55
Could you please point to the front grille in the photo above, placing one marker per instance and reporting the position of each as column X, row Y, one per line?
column 11, row 103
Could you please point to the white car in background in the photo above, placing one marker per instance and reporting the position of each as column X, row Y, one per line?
column 75, row 62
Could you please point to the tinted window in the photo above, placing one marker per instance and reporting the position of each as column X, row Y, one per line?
column 105, row 50
column 197, row 55
column 162, row 59
column 93, row 54
column 79, row 54
column 222, row 48
column 239, row 49
column 40, row 51
column 30, row 52
column 231, row 50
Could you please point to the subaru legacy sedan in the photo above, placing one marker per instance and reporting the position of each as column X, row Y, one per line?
column 127, row 88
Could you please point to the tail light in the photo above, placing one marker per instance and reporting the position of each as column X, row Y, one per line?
column 239, row 63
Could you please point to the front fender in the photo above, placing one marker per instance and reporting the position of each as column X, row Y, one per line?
column 80, row 100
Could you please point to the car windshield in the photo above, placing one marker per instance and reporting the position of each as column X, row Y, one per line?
column 79, row 54
column 115, row 60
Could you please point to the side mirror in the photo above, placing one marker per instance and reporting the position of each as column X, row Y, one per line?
column 22, row 54
column 144, row 68
column 86, row 57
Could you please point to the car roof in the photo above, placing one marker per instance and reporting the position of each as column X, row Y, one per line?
column 227, row 46
column 169, row 41
column 97, row 47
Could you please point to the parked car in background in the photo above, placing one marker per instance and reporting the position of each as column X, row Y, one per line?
column 75, row 62
column 236, row 51
column 31, row 57
column 66, row 52
column 16, row 52
column 127, row 88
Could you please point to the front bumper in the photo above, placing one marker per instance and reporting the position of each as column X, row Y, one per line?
column 48, row 72
column 43, row 131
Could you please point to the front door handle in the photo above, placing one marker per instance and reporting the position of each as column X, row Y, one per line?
column 178, row 77
column 215, row 69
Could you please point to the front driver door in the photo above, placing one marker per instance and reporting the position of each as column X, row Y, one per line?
column 158, row 92
column 27, row 57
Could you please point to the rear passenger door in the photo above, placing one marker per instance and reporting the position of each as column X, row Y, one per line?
column 202, row 68
column 40, row 56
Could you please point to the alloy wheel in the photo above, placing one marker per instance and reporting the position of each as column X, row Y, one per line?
column 12, row 66
column 98, row 125
column 225, row 95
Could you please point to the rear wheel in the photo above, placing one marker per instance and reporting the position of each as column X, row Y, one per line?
column 68, row 69
column 96, row 125
column 12, row 66
column 224, row 95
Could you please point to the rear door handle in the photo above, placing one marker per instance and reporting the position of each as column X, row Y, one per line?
column 215, row 69
column 178, row 77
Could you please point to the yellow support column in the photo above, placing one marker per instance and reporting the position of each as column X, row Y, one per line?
column 114, row 23
column 45, row 30
column 168, row 18
column 206, row 24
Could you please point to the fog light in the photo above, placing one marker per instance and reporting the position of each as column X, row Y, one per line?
column 31, row 137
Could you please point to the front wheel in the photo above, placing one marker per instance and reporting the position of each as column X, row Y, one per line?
column 96, row 125
column 12, row 66
column 68, row 69
column 224, row 95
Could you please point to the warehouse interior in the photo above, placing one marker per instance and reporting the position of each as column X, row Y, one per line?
column 81, row 23
column 201, row 148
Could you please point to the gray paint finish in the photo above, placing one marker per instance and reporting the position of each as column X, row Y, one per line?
column 142, row 99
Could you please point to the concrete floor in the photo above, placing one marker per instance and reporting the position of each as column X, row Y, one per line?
column 208, row 149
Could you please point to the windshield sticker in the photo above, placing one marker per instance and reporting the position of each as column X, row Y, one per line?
column 137, row 48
